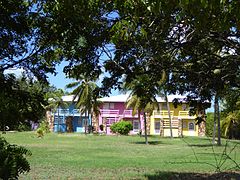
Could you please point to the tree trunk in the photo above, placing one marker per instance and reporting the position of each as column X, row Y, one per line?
column 85, row 123
column 145, row 127
column 58, row 127
column 140, row 128
column 218, row 122
column 215, row 119
column 89, row 130
column 169, row 115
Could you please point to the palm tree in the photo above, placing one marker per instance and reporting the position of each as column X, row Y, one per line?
column 169, row 113
column 142, row 97
column 162, row 92
column 134, row 103
column 95, row 104
column 55, row 102
column 86, row 97
column 229, row 123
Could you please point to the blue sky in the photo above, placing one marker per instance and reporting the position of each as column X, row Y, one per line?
column 60, row 80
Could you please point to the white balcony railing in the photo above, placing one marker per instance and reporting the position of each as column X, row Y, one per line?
column 185, row 114
column 162, row 113
column 174, row 122
column 128, row 113
column 67, row 112
column 109, row 113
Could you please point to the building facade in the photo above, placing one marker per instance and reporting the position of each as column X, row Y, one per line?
column 113, row 109
column 69, row 119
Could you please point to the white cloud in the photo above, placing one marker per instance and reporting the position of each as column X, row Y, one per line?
column 17, row 71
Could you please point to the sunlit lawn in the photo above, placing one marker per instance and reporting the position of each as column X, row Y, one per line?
column 78, row 156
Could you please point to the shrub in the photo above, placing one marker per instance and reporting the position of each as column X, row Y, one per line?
column 121, row 127
column 209, row 123
column 24, row 127
column 40, row 132
column 43, row 128
column 101, row 127
column 13, row 160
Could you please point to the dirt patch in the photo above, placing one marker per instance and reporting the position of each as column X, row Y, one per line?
column 190, row 176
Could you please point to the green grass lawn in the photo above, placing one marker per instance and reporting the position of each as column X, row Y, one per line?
column 78, row 156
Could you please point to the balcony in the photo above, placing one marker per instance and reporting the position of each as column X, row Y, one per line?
column 128, row 114
column 161, row 114
column 67, row 112
column 109, row 113
column 174, row 122
column 185, row 115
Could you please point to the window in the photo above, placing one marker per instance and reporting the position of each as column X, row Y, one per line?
column 111, row 105
column 184, row 107
column 108, row 106
column 191, row 126
column 184, row 124
column 164, row 106
column 157, row 126
column 110, row 121
column 135, row 125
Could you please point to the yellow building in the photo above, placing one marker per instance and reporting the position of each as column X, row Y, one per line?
column 182, row 123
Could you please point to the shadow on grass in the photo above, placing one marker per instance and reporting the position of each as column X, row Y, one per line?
column 200, row 145
column 185, row 175
column 151, row 142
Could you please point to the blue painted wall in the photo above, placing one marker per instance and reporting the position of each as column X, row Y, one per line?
column 78, row 122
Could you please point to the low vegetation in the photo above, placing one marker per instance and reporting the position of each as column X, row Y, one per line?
column 122, row 127
column 13, row 160
column 78, row 156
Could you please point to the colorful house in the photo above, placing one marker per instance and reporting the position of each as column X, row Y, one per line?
column 69, row 119
column 114, row 110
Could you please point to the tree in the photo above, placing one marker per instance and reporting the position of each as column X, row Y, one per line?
column 231, row 114
column 86, row 95
column 22, row 101
column 55, row 103
column 134, row 103
column 142, row 97
column 13, row 160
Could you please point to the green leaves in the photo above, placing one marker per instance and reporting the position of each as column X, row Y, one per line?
column 13, row 160
column 121, row 127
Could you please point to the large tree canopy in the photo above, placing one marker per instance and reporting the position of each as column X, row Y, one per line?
column 194, row 43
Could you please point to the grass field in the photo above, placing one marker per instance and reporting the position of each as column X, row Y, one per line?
column 77, row 156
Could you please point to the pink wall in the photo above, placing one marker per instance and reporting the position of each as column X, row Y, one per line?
column 120, row 106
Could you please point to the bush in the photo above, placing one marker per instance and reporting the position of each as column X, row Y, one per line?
column 121, row 127
column 40, row 132
column 24, row 127
column 13, row 160
column 101, row 127
column 209, row 123
column 43, row 128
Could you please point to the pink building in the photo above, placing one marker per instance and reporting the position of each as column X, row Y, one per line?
column 114, row 110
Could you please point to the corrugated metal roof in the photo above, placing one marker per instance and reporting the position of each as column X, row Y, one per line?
column 123, row 98
column 68, row 98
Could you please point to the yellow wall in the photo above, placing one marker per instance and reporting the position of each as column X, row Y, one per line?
column 166, row 132
column 186, row 132
column 152, row 126
column 172, row 108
